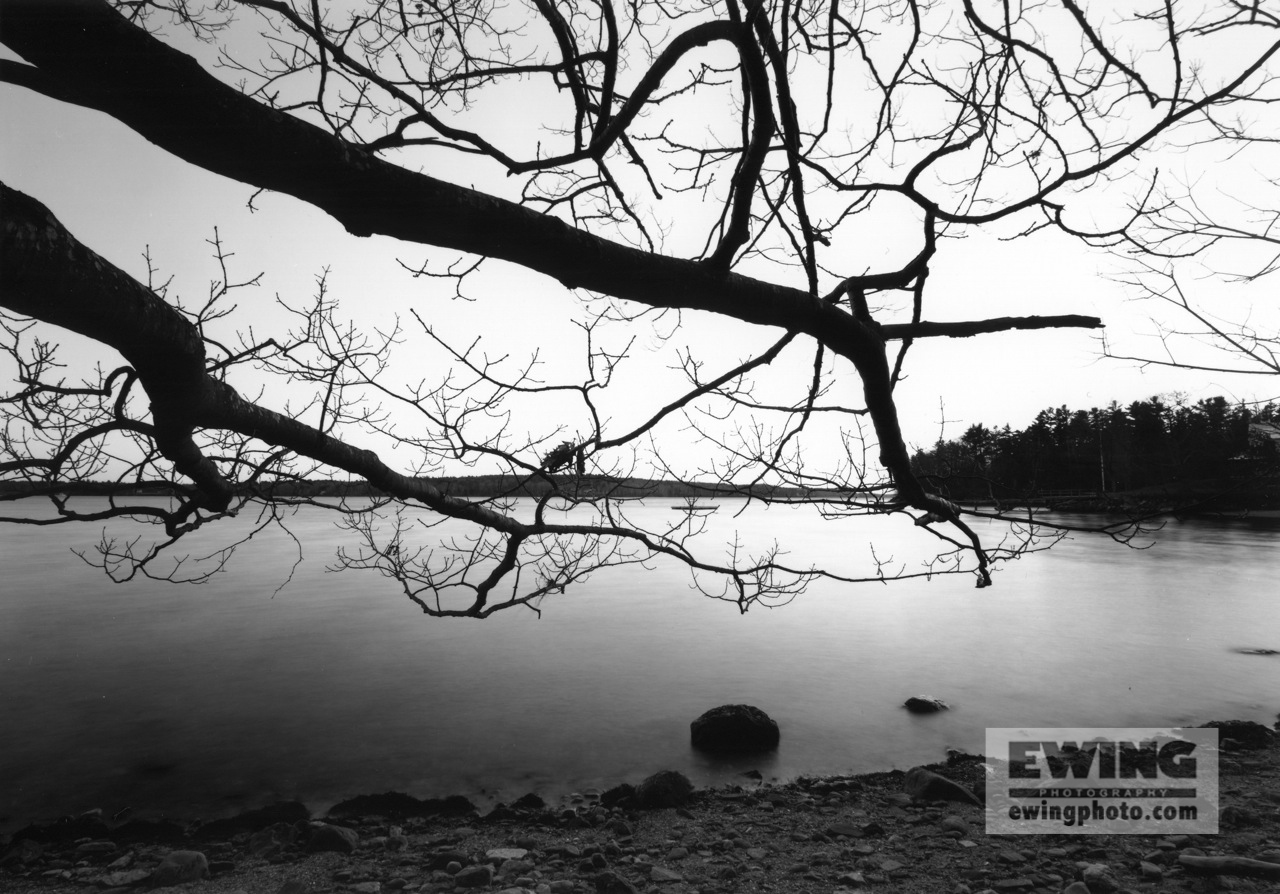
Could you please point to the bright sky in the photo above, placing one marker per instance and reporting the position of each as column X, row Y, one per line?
column 119, row 194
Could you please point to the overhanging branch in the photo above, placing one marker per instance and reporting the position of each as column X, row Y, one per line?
column 968, row 328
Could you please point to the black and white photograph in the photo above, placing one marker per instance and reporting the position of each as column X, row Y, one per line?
column 646, row 447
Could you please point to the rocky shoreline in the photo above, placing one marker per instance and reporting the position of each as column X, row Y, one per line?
column 911, row 832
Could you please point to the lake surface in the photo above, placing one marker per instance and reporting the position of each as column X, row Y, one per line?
column 202, row 701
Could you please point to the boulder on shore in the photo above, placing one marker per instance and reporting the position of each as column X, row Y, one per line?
column 926, row 785
column 1248, row 735
column 327, row 837
column 179, row 867
column 665, row 789
column 731, row 729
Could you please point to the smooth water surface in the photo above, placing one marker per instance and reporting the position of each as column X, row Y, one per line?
column 200, row 701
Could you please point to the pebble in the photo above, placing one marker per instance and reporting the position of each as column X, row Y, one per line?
column 847, row 830
column 1099, row 878
column 628, row 851
column 124, row 878
column 90, row 848
column 474, row 877
column 611, row 883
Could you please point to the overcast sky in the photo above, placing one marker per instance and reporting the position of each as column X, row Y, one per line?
column 119, row 194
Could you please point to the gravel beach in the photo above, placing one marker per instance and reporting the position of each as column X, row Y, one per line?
column 827, row 836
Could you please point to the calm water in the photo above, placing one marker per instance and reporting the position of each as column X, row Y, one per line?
column 207, row 700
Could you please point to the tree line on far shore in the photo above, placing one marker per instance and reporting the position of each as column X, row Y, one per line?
column 1162, row 446
column 468, row 486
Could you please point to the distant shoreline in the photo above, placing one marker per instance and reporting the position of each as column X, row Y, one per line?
column 1226, row 500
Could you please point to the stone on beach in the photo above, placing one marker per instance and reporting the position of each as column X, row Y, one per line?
column 178, row 868
column 480, row 876
column 326, row 837
column 1247, row 734
column 925, row 785
column 665, row 789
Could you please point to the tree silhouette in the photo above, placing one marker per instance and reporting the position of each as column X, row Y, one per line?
column 1210, row 454
column 832, row 125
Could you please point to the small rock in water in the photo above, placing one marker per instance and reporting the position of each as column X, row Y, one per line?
column 925, row 704
column 529, row 802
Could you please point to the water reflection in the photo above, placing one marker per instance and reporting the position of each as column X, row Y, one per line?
column 224, row 696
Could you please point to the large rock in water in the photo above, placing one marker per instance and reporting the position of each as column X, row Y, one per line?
column 732, row 729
